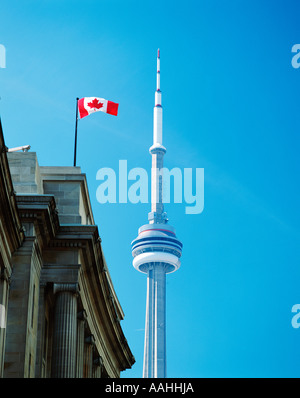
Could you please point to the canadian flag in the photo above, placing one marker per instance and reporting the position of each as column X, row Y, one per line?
column 88, row 105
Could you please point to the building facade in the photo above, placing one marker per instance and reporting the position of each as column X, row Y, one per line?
column 61, row 313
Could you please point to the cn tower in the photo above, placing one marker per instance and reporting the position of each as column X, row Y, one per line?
column 156, row 252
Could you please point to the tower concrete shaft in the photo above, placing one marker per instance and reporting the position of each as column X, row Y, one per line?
column 156, row 252
column 155, row 326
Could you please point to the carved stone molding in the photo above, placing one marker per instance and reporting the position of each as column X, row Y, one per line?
column 82, row 315
column 90, row 340
column 65, row 287
column 4, row 275
column 98, row 361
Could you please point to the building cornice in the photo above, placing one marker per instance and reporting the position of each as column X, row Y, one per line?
column 10, row 218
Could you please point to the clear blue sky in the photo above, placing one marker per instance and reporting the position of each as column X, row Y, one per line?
column 231, row 105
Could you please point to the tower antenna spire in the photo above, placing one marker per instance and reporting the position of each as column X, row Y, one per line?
column 157, row 150
column 156, row 252
column 158, row 71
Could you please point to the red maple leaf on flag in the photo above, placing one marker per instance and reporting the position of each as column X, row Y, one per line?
column 95, row 104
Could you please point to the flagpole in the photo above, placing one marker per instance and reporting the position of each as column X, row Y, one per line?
column 75, row 146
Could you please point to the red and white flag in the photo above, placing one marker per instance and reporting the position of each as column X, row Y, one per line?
column 88, row 105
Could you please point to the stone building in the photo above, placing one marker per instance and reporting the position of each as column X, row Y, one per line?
column 58, row 303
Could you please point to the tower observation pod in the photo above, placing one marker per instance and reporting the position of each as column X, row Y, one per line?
column 156, row 252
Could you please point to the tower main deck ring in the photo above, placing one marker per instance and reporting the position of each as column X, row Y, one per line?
column 156, row 243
